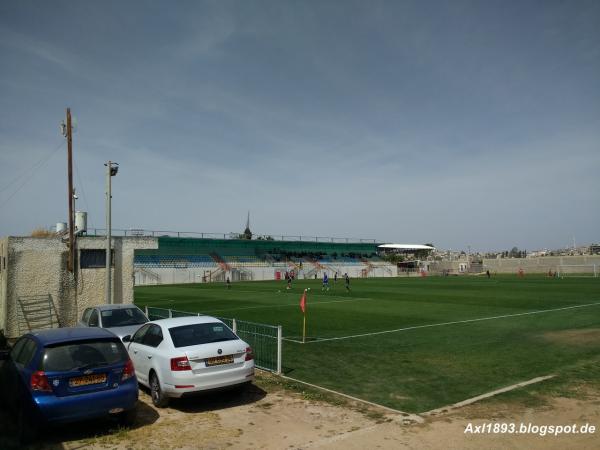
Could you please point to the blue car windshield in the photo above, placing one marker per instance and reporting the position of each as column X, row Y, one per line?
column 200, row 333
column 122, row 317
column 83, row 355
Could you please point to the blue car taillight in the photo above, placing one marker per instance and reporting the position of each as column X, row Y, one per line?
column 128, row 371
column 39, row 382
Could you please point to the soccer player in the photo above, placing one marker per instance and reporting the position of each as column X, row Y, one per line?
column 325, row 282
column 347, row 279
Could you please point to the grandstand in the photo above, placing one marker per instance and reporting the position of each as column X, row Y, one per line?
column 197, row 260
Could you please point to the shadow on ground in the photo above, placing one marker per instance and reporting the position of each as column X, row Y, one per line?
column 52, row 438
column 214, row 401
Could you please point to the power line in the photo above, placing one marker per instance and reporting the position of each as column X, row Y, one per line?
column 27, row 169
column 27, row 173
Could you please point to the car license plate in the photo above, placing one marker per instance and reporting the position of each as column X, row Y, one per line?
column 219, row 360
column 87, row 380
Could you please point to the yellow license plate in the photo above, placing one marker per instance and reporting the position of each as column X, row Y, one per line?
column 218, row 360
column 87, row 380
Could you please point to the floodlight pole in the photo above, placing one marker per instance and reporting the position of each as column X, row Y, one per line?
column 109, row 174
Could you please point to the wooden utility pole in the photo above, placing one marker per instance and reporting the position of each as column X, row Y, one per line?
column 71, row 261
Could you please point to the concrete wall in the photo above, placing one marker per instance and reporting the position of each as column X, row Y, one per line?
column 195, row 275
column 91, row 282
column 538, row 265
column 3, row 280
column 38, row 266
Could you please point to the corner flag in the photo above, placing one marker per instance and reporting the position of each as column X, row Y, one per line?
column 303, row 308
column 303, row 302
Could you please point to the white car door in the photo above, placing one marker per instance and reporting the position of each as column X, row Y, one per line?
column 148, row 349
column 138, row 355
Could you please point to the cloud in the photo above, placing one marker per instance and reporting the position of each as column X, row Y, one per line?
column 56, row 56
column 456, row 124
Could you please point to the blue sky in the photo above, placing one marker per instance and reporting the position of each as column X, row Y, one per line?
column 457, row 123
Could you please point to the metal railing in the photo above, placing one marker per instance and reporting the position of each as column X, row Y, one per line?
column 265, row 340
column 36, row 312
column 196, row 234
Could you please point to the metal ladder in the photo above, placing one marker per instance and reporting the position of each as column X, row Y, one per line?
column 36, row 312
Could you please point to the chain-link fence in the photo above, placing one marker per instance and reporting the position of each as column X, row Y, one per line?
column 265, row 340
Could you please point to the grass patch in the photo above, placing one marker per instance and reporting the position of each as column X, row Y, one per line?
column 417, row 369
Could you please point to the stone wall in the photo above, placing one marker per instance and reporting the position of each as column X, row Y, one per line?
column 38, row 266
column 538, row 265
column 3, row 280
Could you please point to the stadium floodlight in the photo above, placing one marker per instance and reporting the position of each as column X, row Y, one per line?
column 112, row 168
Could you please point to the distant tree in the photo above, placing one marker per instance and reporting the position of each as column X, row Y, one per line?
column 393, row 258
column 42, row 232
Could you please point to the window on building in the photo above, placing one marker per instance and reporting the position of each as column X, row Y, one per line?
column 95, row 259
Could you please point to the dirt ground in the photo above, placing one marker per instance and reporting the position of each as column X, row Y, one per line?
column 586, row 336
column 278, row 418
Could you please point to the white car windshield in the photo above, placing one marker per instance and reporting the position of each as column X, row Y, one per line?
column 200, row 333
column 122, row 317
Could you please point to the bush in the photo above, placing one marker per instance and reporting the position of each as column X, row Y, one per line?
column 42, row 232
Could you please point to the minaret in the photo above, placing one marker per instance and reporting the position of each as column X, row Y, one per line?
column 247, row 232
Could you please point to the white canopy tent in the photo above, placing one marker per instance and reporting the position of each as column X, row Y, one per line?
column 405, row 247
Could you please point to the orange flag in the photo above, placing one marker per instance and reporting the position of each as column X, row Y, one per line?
column 303, row 302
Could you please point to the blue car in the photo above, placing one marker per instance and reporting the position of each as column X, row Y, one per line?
column 66, row 375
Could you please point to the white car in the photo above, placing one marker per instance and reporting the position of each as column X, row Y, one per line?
column 120, row 319
column 183, row 356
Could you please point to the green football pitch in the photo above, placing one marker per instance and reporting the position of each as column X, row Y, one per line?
column 413, row 344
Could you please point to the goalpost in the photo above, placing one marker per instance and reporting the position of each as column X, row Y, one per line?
column 578, row 270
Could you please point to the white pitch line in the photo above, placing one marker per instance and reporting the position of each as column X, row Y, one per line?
column 297, row 339
column 414, row 417
column 451, row 323
column 460, row 404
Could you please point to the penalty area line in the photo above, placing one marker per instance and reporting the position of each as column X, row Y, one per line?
column 414, row 417
column 432, row 325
